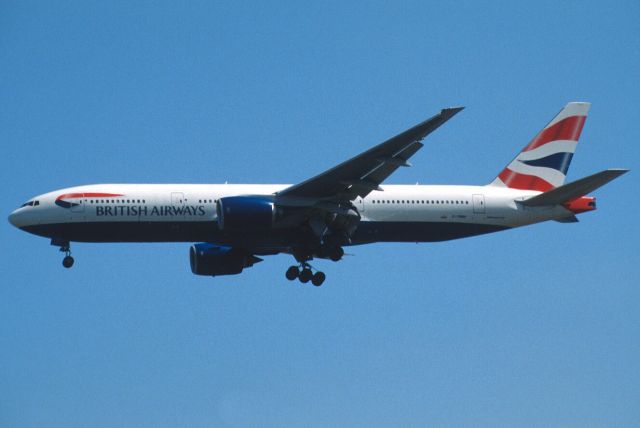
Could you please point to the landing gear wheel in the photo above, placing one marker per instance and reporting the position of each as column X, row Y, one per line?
column 305, row 275
column 318, row 279
column 67, row 262
column 292, row 273
column 336, row 254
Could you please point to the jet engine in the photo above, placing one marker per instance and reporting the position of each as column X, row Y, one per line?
column 245, row 213
column 212, row 260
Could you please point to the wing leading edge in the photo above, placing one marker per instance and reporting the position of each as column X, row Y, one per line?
column 365, row 172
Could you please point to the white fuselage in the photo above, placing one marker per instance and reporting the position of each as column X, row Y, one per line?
column 195, row 204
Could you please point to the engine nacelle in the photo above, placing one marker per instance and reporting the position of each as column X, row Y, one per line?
column 245, row 213
column 211, row 260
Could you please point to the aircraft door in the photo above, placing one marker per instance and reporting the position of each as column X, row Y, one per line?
column 177, row 198
column 178, row 202
column 77, row 206
column 360, row 204
column 77, row 203
column 478, row 204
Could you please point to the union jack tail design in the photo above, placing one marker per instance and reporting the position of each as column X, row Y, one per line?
column 542, row 165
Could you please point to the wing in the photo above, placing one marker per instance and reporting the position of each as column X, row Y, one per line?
column 364, row 173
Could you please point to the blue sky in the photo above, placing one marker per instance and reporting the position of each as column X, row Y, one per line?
column 531, row 327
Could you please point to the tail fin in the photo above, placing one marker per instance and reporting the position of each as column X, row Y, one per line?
column 543, row 164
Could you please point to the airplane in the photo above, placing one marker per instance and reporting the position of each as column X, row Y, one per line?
column 233, row 224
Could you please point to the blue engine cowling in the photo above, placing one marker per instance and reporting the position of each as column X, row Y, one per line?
column 212, row 260
column 245, row 213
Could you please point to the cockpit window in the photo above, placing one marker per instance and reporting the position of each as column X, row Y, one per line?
column 30, row 204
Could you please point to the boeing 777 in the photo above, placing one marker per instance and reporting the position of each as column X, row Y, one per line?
column 233, row 224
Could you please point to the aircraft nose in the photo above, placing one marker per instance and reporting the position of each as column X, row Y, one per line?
column 14, row 218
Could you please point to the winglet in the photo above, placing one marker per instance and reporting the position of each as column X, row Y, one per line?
column 452, row 110
column 449, row 112
column 421, row 130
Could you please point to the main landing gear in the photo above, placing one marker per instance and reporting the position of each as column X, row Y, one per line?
column 305, row 274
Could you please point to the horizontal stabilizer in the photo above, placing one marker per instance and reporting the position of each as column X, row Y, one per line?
column 573, row 190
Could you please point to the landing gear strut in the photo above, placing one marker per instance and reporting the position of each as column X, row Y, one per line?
column 65, row 248
column 305, row 274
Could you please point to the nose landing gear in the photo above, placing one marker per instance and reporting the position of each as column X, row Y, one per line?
column 65, row 247
column 68, row 260
column 305, row 274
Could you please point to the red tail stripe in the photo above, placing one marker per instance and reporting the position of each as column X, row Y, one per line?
column 515, row 180
column 567, row 129
column 88, row 195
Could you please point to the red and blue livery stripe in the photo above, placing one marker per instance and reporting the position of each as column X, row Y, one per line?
column 61, row 202
column 543, row 164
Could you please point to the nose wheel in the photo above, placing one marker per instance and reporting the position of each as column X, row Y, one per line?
column 67, row 262
column 304, row 273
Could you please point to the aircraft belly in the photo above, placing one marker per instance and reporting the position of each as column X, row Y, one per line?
column 419, row 231
column 127, row 231
column 166, row 231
